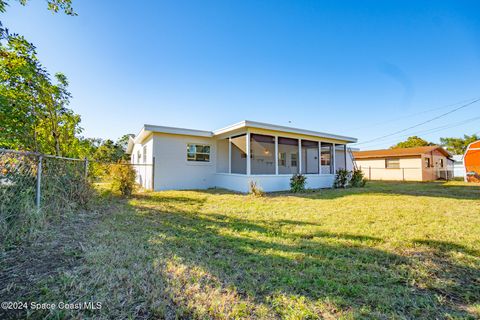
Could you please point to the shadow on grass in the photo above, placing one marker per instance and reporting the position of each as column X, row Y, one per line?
column 420, row 189
column 344, row 269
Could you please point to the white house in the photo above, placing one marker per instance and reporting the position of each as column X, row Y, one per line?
column 175, row 158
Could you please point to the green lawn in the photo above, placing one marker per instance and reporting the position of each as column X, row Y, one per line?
column 388, row 250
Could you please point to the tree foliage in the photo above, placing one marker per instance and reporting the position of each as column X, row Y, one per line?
column 412, row 142
column 33, row 110
column 53, row 5
column 458, row 145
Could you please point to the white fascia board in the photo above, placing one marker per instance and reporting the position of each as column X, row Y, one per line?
column 267, row 126
column 131, row 143
column 174, row 130
column 147, row 129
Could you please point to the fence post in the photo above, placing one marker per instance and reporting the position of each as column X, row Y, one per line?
column 153, row 174
column 86, row 168
column 39, row 182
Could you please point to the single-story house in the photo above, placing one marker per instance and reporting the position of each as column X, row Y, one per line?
column 176, row 158
column 406, row 164
column 472, row 162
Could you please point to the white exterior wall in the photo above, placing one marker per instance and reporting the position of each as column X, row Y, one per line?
column 458, row 166
column 270, row 183
column 143, row 168
column 173, row 171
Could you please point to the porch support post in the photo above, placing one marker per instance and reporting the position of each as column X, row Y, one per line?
column 334, row 157
column 248, row 153
column 276, row 155
column 299, row 155
column 345, row 151
column 319, row 157
column 229, row 154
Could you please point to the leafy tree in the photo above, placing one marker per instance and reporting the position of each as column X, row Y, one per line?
column 33, row 110
column 412, row 142
column 458, row 145
column 53, row 5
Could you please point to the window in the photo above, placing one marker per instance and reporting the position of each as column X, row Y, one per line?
column 392, row 163
column 282, row 159
column 441, row 163
column 145, row 154
column 287, row 155
column 294, row 160
column 198, row 152
column 427, row 163
column 139, row 156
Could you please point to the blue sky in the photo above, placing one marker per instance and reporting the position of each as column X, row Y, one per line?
column 358, row 68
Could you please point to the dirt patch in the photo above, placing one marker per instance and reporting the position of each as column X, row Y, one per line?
column 56, row 249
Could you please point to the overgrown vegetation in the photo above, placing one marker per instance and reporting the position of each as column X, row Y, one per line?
column 64, row 188
column 123, row 178
column 255, row 190
column 298, row 182
column 386, row 251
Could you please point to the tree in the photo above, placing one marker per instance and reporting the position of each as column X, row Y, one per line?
column 412, row 142
column 33, row 110
column 53, row 5
column 458, row 145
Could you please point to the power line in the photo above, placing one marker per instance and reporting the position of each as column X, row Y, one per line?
column 411, row 115
column 421, row 123
column 432, row 130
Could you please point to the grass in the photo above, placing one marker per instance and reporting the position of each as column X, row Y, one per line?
column 389, row 250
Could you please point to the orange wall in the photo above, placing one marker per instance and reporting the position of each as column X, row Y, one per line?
column 472, row 161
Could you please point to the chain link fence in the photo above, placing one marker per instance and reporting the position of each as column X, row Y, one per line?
column 407, row 174
column 33, row 185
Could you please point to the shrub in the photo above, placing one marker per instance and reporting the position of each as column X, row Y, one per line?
column 342, row 177
column 123, row 178
column 297, row 182
column 358, row 178
column 256, row 190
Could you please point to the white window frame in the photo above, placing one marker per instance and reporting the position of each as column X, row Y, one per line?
column 193, row 161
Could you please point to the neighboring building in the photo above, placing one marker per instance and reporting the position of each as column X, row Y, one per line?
column 232, row 157
column 458, row 167
column 409, row 164
column 472, row 162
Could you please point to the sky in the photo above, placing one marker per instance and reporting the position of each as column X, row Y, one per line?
column 364, row 69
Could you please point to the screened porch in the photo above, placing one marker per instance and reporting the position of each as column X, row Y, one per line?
column 253, row 154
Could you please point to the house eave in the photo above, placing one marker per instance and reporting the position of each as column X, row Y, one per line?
column 279, row 128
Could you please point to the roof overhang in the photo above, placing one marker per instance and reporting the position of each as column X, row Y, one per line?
column 148, row 129
column 274, row 127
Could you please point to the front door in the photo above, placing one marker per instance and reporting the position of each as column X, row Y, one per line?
column 312, row 161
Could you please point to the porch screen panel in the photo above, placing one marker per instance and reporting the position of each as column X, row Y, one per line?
column 326, row 161
column 340, row 157
column 287, row 156
column 239, row 154
column 263, row 154
column 309, row 157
